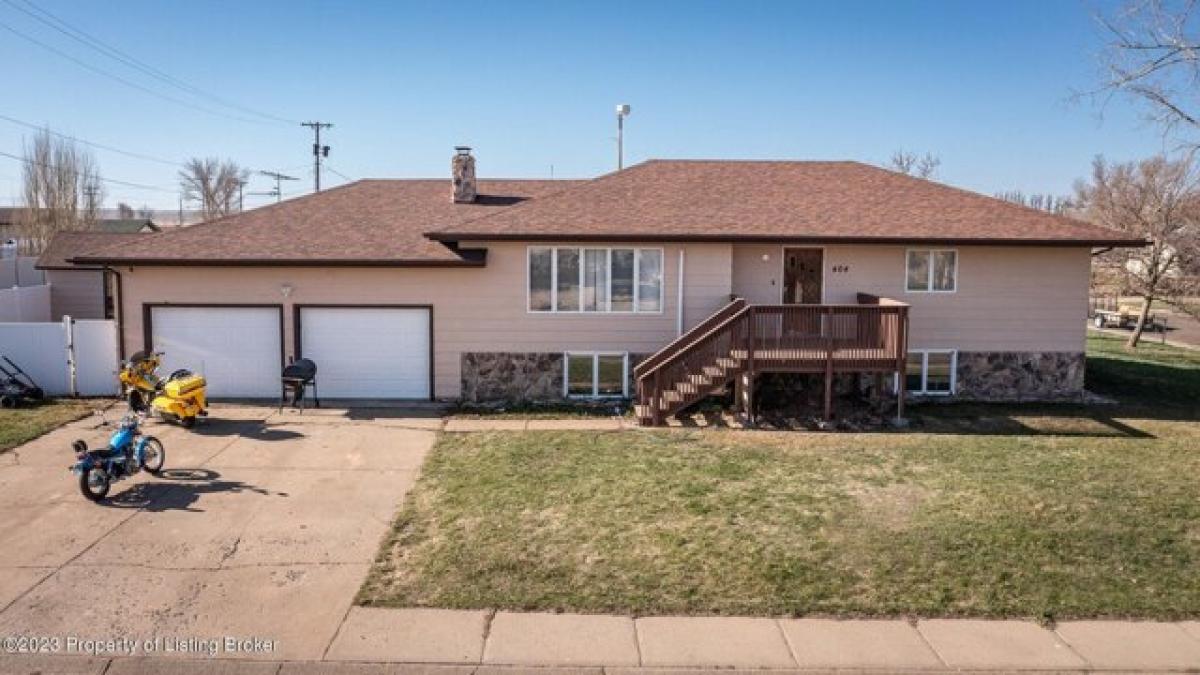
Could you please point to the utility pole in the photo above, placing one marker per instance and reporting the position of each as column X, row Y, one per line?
column 622, row 112
column 279, row 178
column 319, row 150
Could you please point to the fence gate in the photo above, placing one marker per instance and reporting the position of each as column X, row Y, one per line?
column 67, row 358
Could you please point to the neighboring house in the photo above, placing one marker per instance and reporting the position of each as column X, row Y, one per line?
column 544, row 289
column 8, row 226
column 127, row 226
column 81, row 291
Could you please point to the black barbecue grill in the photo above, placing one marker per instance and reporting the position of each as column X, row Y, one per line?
column 297, row 376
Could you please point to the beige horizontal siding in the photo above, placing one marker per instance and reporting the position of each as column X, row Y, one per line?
column 475, row 309
column 76, row 293
column 1017, row 298
column 1009, row 299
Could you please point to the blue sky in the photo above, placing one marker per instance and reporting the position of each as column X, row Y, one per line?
column 985, row 86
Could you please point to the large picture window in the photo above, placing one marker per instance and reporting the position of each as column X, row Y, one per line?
column 581, row 279
column 931, row 271
column 931, row 372
column 595, row 375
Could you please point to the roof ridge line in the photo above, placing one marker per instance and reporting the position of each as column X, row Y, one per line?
column 584, row 185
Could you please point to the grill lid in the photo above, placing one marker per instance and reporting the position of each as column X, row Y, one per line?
column 300, row 369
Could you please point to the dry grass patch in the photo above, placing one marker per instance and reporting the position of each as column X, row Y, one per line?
column 21, row 425
column 1058, row 511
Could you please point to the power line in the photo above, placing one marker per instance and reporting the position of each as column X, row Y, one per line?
column 335, row 172
column 100, row 146
column 111, row 52
column 122, row 80
column 114, row 181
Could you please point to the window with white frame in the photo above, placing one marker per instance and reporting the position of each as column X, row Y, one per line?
column 931, row 372
column 931, row 271
column 595, row 374
column 584, row 279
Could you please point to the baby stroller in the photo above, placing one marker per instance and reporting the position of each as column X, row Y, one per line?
column 16, row 387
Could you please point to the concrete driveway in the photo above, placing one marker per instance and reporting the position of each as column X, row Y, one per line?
column 263, row 526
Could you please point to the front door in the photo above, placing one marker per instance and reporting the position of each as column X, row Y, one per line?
column 802, row 276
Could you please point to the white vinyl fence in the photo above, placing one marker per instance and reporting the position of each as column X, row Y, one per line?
column 67, row 358
column 25, row 303
column 20, row 271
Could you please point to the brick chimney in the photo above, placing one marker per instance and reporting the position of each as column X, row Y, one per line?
column 462, row 169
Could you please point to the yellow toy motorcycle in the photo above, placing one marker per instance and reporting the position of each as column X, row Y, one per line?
column 181, row 396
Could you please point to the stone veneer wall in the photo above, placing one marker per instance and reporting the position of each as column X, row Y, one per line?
column 1019, row 376
column 508, row 376
column 519, row 377
column 981, row 376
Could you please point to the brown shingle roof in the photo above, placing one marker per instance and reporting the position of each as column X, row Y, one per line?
column 67, row 245
column 796, row 201
column 366, row 222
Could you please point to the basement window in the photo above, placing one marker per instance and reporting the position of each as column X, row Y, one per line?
column 931, row 271
column 931, row 372
column 595, row 374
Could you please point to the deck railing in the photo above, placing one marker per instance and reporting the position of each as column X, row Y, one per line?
column 867, row 337
column 735, row 304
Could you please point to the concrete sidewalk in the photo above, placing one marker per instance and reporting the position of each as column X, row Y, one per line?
column 434, row 641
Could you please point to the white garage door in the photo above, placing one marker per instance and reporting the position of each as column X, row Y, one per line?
column 367, row 352
column 235, row 348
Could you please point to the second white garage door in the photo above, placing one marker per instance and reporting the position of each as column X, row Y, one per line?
column 367, row 352
column 237, row 349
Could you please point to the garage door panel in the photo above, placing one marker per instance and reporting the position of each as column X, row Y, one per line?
column 365, row 352
column 237, row 349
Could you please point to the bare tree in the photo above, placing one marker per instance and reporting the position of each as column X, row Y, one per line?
column 61, row 190
column 213, row 183
column 145, row 213
column 1037, row 200
column 1153, row 54
column 1156, row 199
column 124, row 210
column 910, row 164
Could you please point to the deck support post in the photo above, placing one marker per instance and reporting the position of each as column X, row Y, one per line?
column 901, row 364
column 656, row 400
column 828, row 328
column 746, row 399
column 737, row 395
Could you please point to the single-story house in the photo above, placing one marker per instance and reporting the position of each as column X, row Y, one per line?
column 703, row 272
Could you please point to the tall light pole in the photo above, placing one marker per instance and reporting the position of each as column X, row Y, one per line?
column 622, row 113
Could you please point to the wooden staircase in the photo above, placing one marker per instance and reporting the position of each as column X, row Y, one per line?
column 697, row 364
column 741, row 340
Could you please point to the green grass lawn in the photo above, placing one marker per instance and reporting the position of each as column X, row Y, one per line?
column 24, row 424
column 1044, row 511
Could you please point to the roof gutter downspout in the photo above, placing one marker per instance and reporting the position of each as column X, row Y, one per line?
column 679, row 298
column 118, row 310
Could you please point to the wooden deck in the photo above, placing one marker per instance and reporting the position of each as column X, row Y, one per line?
column 741, row 341
column 812, row 360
